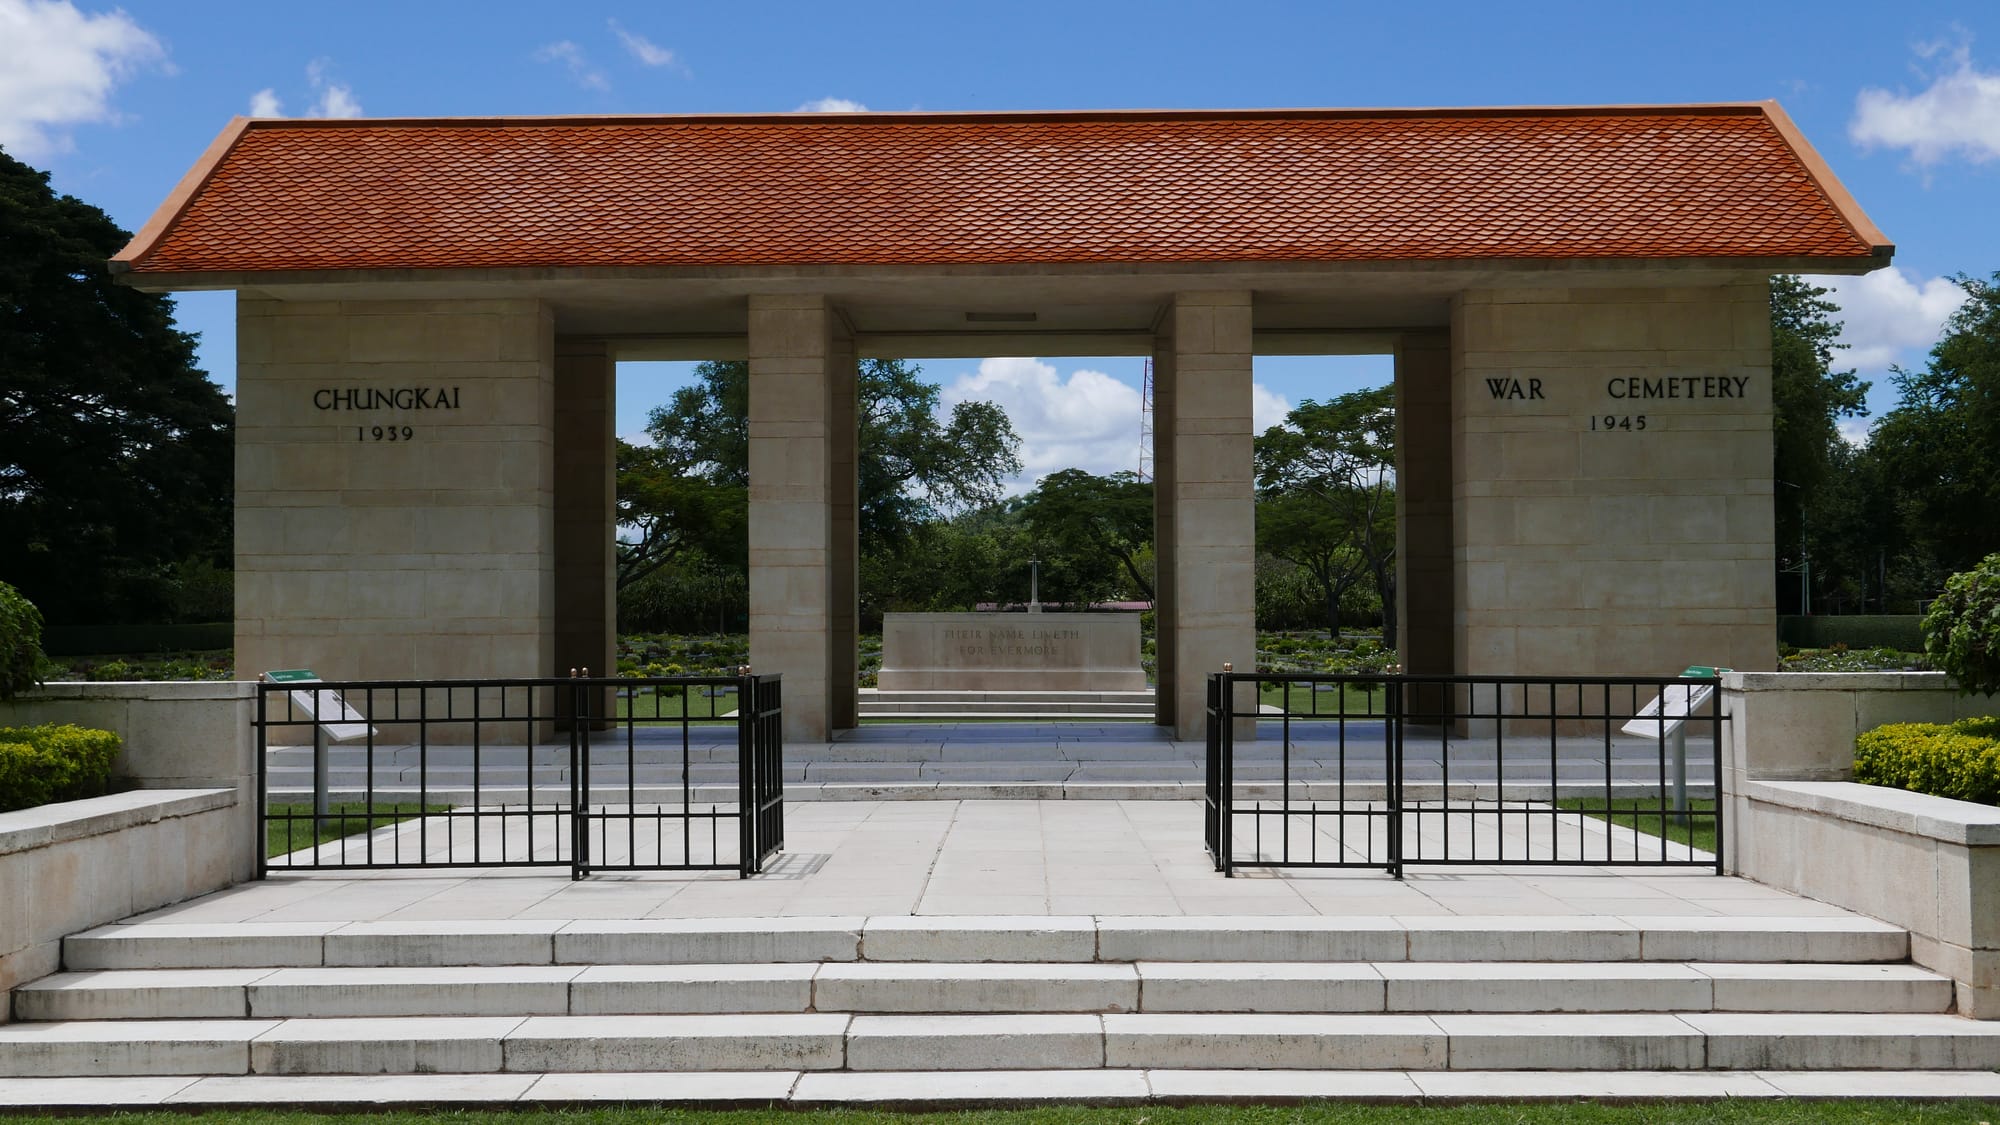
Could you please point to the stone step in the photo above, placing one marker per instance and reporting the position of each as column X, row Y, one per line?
column 840, row 1041
column 969, row 938
column 951, row 714
column 917, row 987
column 945, row 1089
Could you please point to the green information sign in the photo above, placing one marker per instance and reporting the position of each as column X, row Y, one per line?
column 292, row 676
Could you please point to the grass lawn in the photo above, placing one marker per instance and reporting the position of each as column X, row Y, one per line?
column 1323, row 704
column 1643, row 814
column 1747, row 1111
column 345, row 818
column 671, row 704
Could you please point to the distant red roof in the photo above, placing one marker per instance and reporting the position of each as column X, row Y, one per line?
column 1726, row 181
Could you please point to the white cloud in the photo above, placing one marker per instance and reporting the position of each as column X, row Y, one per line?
column 336, row 101
column 642, row 48
column 1087, row 420
column 833, row 105
column 1267, row 408
column 58, row 67
column 1854, row 431
column 576, row 61
column 1888, row 318
column 1958, row 113
column 332, row 99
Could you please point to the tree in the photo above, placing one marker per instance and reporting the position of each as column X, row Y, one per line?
column 1940, row 447
column 1341, row 455
column 1808, row 400
column 115, row 449
column 1079, row 514
column 1313, row 536
column 914, row 467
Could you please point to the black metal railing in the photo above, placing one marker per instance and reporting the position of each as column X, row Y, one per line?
column 1388, row 771
column 671, row 773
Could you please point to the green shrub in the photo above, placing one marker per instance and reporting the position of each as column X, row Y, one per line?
column 39, row 765
column 1962, row 630
column 20, row 643
column 1961, row 761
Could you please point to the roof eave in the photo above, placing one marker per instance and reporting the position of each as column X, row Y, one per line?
column 177, row 200
column 1879, row 246
column 171, row 281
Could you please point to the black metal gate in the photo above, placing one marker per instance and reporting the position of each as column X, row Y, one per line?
column 673, row 773
column 1393, row 771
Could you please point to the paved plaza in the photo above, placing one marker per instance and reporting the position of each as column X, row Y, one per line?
column 992, row 857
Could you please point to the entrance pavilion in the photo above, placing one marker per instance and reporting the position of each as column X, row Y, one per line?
column 430, row 311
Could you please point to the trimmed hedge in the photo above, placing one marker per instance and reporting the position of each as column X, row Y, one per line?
column 49, row 763
column 1961, row 761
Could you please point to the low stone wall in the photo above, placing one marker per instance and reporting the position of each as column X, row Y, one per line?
column 71, row 866
column 1795, row 819
column 188, row 826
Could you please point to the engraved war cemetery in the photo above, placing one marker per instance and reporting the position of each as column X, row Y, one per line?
column 1573, row 712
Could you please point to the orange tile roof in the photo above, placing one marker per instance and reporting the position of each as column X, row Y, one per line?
column 1727, row 181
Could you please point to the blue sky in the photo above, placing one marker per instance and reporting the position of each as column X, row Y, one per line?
column 1902, row 99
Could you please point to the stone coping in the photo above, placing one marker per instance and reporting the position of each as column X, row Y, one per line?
column 26, row 829
column 66, row 690
column 1837, row 681
column 1916, row 814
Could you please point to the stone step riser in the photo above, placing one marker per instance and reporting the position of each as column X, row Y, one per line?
column 1055, row 939
column 1042, row 1042
column 878, row 988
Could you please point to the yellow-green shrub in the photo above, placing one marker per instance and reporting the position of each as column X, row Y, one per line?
column 40, row 765
column 1961, row 760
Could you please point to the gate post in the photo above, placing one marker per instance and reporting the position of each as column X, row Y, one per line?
column 579, row 777
column 1393, row 748
column 747, row 790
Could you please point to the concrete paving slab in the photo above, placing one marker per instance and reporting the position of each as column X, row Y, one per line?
column 1282, row 1042
column 988, row 936
column 354, row 1089
column 1595, row 1085
column 1628, row 1041
column 994, row 1087
column 975, row 1042
column 95, row 1091
column 137, row 994
column 692, row 989
column 1268, row 1085
column 1870, row 1041
column 128, row 1047
column 690, row 1043
column 745, row 1088
column 885, row 987
column 404, row 1045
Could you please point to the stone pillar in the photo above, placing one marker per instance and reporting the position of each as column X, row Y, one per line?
column 1209, row 531
column 428, row 556
column 844, row 483
column 586, row 499
column 1611, row 480
column 1423, row 507
column 791, row 520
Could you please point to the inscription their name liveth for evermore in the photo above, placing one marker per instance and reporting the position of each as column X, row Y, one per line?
column 1011, row 642
column 385, row 398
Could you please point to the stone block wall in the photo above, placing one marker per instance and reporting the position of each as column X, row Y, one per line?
column 429, row 555
column 1612, row 479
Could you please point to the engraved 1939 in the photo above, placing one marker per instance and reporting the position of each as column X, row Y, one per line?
column 384, row 433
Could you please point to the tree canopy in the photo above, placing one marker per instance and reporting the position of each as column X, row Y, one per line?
column 1330, row 470
column 115, row 449
column 688, row 491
